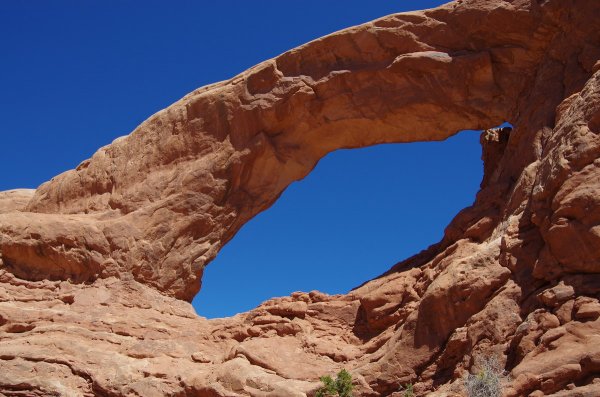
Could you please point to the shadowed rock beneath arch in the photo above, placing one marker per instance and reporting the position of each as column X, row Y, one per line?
column 93, row 261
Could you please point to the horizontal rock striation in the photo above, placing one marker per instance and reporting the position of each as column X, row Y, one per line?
column 96, row 264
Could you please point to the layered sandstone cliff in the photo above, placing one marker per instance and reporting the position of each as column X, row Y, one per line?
column 96, row 264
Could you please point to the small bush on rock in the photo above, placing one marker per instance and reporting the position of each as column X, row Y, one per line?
column 487, row 382
column 341, row 386
column 407, row 391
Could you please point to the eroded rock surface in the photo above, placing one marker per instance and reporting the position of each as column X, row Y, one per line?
column 98, row 262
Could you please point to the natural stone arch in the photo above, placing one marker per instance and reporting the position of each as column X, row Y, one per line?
column 159, row 203
column 514, row 276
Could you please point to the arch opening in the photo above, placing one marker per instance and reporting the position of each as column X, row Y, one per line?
column 352, row 218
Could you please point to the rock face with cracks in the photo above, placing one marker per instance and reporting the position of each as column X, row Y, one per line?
column 98, row 263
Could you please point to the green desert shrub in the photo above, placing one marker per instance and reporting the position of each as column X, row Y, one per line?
column 407, row 391
column 341, row 386
column 488, row 381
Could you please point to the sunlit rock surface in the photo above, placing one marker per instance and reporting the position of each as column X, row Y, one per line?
column 98, row 263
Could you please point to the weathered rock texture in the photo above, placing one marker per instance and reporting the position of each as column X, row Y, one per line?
column 98, row 262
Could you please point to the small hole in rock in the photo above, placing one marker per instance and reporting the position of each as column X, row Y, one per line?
column 18, row 328
column 68, row 299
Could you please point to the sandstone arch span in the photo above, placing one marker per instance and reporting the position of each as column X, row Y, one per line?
column 159, row 203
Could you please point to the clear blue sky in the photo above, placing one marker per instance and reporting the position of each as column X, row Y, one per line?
column 76, row 74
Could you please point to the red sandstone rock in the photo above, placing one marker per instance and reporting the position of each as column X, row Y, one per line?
column 15, row 200
column 95, row 262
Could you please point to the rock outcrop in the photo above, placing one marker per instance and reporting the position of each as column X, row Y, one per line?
column 96, row 264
